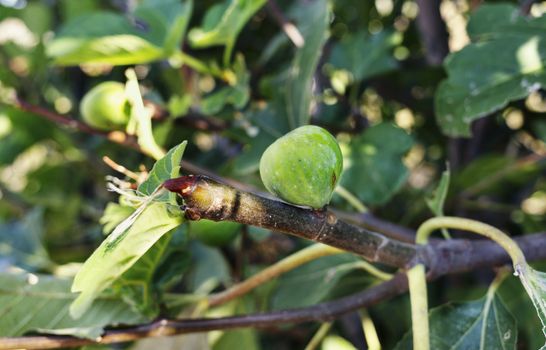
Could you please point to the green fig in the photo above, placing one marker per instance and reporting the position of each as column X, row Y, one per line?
column 303, row 167
column 214, row 233
column 106, row 107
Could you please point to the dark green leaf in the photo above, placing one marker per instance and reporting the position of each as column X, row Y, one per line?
column 268, row 124
column 375, row 171
column 167, row 19
column 481, row 324
column 21, row 242
column 40, row 303
column 18, row 131
column 312, row 21
column 236, row 95
column 366, row 55
column 223, row 24
column 505, row 62
column 312, row 282
column 210, row 269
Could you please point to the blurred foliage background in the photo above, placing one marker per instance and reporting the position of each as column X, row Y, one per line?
column 243, row 73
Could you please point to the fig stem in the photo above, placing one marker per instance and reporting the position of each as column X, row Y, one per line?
column 319, row 335
column 351, row 199
column 417, row 275
column 493, row 233
column 289, row 263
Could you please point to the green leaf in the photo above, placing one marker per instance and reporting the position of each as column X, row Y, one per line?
column 312, row 282
column 436, row 201
column 223, row 23
column 534, row 282
column 19, row 131
column 102, row 37
column 21, row 242
column 115, row 256
column 267, row 124
column 312, row 21
column 166, row 168
column 112, row 259
column 113, row 215
column 374, row 171
column 366, row 55
column 236, row 95
column 31, row 302
column 209, row 269
column 135, row 285
column 518, row 303
column 106, row 37
column 161, row 266
column 168, row 19
column 505, row 62
column 481, row 324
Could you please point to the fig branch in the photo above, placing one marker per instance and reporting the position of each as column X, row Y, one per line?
column 365, row 220
column 463, row 256
column 208, row 199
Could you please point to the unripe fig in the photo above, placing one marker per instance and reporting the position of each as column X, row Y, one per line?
column 106, row 107
column 214, row 233
column 303, row 167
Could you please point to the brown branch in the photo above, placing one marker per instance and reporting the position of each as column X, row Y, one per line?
column 321, row 312
column 432, row 30
column 373, row 223
column 206, row 198
column 442, row 257
column 118, row 137
column 452, row 256
column 288, row 28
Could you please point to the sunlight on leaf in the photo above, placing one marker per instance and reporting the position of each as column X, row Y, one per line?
column 133, row 237
column 529, row 57
column 504, row 62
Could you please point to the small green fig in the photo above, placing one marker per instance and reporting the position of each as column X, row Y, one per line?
column 303, row 167
column 214, row 233
column 106, row 107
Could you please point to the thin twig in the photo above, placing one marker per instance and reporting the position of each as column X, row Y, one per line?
column 289, row 263
column 288, row 28
column 432, row 30
column 121, row 169
column 118, row 137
